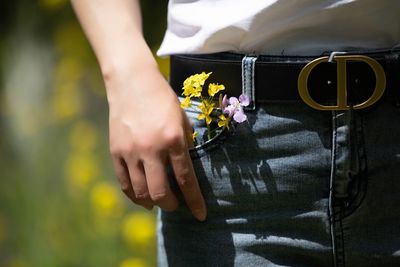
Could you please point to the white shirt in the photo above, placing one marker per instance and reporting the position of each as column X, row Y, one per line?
column 275, row 27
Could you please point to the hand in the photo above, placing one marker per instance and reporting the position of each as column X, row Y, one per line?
column 148, row 130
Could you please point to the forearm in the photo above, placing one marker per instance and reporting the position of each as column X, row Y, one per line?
column 115, row 32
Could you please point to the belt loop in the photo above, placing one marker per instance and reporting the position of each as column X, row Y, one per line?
column 248, row 77
column 392, row 62
column 333, row 54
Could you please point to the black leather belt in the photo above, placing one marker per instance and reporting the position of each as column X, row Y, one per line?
column 276, row 77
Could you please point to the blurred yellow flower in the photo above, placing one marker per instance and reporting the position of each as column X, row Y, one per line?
column 68, row 69
column 105, row 199
column 94, row 82
column 70, row 41
column 139, row 228
column 16, row 263
column 67, row 101
column 133, row 262
column 3, row 230
column 67, row 96
column 52, row 4
column 83, row 136
column 214, row 88
column 81, row 169
column 163, row 64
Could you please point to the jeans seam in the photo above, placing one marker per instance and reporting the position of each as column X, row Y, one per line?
column 335, row 216
column 330, row 206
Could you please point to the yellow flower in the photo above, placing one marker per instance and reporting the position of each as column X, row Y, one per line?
column 214, row 88
column 194, row 135
column 133, row 262
column 105, row 199
column 192, row 91
column 206, row 109
column 223, row 121
column 193, row 85
column 138, row 229
column 197, row 80
column 186, row 103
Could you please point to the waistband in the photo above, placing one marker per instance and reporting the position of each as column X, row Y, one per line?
column 276, row 78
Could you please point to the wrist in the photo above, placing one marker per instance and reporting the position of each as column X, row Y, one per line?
column 133, row 78
column 127, row 64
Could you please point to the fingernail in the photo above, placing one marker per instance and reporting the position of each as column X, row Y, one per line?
column 200, row 215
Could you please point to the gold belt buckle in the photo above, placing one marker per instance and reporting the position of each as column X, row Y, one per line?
column 341, row 61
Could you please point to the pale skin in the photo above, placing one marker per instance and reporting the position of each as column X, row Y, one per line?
column 148, row 129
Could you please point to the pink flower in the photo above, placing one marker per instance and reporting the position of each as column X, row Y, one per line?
column 235, row 108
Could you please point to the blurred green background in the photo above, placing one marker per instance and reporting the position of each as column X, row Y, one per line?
column 60, row 204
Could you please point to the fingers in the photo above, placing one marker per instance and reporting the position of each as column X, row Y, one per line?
column 139, row 184
column 146, row 185
column 141, row 170
column 157, row 182
column 123, row 177
column 187, row 180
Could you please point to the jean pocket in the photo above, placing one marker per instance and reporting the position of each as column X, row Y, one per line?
column 209, row 136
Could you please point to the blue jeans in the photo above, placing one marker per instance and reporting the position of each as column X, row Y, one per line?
column 293, row 186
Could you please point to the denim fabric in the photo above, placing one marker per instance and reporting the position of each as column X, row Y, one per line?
column 293, row 186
